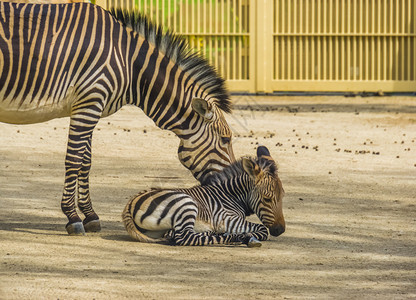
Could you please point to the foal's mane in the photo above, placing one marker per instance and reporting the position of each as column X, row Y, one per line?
column 176, row 48
column 236, row 169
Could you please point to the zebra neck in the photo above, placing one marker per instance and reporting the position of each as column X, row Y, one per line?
column 238, row 194
column 162, row 89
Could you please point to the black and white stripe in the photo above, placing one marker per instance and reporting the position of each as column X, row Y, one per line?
column 81, row 61
column 214, row 213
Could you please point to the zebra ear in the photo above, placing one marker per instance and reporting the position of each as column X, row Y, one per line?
column 251, row 168
column 262, row 151
column 203, row 108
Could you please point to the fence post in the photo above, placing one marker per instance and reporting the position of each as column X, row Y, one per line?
column 264, row 46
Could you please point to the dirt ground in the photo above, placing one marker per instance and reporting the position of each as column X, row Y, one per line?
column 348, row 166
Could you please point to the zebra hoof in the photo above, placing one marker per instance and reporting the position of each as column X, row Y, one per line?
column 75, row 228
column 253, row 243
column 93, row 226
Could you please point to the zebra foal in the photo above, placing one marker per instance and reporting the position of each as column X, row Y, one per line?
column 214, row 213
column 83, row 62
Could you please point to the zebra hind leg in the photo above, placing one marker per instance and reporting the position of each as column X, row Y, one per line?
column 91, row 222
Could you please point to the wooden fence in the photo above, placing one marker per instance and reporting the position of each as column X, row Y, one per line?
column 297, row 45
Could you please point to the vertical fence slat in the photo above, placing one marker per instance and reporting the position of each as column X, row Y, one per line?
column 300, row 40
column 283, row 61
column 373, row 50
column 319, row 41
column 331, row 50
column 348, row 52
column 228, row 38
column 366, row 40
column 337, row 41
column 384, row 42
column 313, row 70
column 210, row 30
column 354, row 41
column 343, row 58
column 391, row 41
column 396, row 41
column 307, row 38
column 294, row 40
column 288, row 41
column 233, row 53
column 217, row 21
column 402, row 39
column 276, row 28
column 409, row 31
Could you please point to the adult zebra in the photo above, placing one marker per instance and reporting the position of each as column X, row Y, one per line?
column 79, row 60
column 214, row 213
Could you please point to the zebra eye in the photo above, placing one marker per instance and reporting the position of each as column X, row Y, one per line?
column 225, row 139
column 267, row 199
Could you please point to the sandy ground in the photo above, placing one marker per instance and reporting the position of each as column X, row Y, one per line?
column 348, row 166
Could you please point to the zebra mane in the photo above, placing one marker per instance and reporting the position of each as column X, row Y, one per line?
column 177, row 49
column 236, row 169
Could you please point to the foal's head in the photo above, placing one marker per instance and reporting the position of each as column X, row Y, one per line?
column 268, row 192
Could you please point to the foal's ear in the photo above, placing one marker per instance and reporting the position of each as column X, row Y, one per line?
column 251, row 168
column 262, row 151
column 203, row 108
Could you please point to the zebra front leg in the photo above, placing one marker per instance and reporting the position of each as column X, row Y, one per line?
column 251, row 234
column 258, row 231
column 91, row 222
column 81, row 126
column 188, row 237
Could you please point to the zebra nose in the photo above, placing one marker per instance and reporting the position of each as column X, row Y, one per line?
column 277, row 230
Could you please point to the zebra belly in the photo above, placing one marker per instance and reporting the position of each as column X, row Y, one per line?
column 154, row 222
column 31, row 112
column 162, row 216
column 38, row 115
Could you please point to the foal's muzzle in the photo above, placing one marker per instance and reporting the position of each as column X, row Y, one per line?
column 277, row 230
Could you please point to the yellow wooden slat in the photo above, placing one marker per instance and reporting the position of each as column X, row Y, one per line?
column 409, row 40
column 307, row 39
column 234, row 44
column 366, row 40
column 373, row 50
column 294, row 41
column 360, row 40
column 301, row 39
